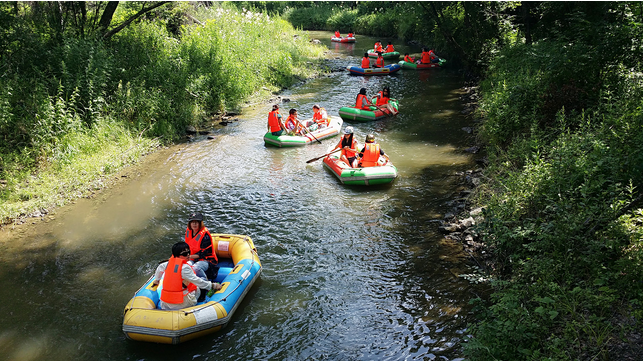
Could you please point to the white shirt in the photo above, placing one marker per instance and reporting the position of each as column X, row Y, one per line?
column 188, row 275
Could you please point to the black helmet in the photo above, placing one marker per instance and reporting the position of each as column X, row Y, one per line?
column 370, row 138
column 196, row 217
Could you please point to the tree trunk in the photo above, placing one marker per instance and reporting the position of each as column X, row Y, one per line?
column 106, row 18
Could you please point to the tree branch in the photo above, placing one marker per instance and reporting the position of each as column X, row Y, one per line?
column 127, row 22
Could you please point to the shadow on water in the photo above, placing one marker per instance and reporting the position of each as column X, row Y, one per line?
column 350, row 273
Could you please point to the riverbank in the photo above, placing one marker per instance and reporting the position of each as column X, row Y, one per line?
column 65, row 148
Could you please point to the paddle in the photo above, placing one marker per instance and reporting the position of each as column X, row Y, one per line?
column 307, row 130
column 314, row 159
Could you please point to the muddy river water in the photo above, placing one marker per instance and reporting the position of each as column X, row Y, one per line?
column 349, row 273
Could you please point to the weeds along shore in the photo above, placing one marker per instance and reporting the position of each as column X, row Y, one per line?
column 77, row 111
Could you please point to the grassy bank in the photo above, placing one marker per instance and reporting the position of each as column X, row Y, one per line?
column 74, row 110
column 563, row 201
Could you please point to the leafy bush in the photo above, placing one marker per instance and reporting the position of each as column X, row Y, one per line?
column 564, row 221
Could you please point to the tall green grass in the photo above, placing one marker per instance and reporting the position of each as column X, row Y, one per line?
column 73, row 111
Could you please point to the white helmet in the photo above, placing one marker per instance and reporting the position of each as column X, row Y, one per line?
column 348, row 130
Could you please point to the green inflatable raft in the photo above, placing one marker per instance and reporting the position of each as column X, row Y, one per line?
column 361, row 115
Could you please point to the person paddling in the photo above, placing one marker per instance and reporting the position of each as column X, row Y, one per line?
column 349, row 147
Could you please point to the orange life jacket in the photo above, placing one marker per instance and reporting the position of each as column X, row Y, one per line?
column 292, row 124
column 409, row 59
column 195, row 243
column 365, row 63
column 321, row 117
column 371, row 155
column 380, row 62
column 174, row 289
column 425, row 58
column 359, row 102
column 337, row 34
column 377, row 47
column 350, row 35
column 389, row 48
column 273, row 121
column 351, row 152
column 381, row 99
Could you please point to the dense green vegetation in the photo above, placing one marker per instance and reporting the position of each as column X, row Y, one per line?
column 79, row 99
column 561, row 118
column 560, row 108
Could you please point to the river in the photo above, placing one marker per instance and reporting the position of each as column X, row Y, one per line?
column 349, row 273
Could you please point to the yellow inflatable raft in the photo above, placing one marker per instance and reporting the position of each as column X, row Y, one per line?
column 239, row 269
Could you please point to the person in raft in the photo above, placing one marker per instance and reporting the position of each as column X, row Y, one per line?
column 389, row 48
column 275, row 124
column 382, row 100
column 350, row 35
column 370, row 154
column 362, row 102
column 433, row 57
column 202, row 248
column 380, row 61
column 428, row 57
column 320, row 116
column 408, row 58
column 424, row 57
column 349, row 147
column 181, row 288
column 377, row 46
column 337, row 34
column 366, row 63
column 292, row 124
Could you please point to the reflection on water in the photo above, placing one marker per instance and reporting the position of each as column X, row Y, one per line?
column 350, row 273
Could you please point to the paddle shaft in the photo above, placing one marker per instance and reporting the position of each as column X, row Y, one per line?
column 307, row 130
column 314, row 159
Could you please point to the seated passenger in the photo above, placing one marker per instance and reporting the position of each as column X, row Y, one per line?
column 370, row 154
column 337, row 34
column 382, row 97
column 350, row 35
column 362, row 102
column 377, row 46
column 366, row 63
column 425, row 57
column 380, row 61
column 201, row 247
column 275, row 124
column 389, row 48
column 320, row 116
column 181, row 286
column 433, row 57
column 408, row 58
